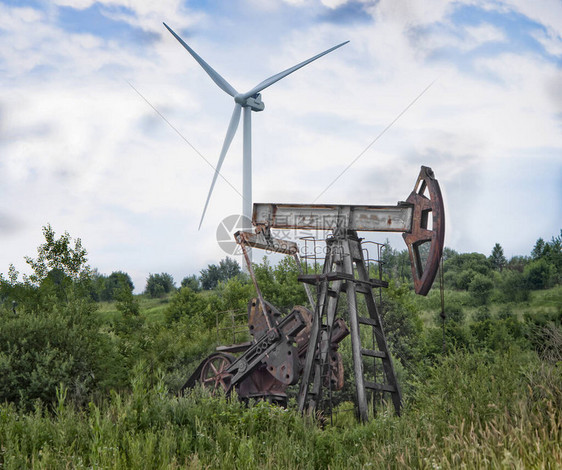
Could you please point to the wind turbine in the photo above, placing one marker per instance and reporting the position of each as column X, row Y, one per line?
column 249, row 101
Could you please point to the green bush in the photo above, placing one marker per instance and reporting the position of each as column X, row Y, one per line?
column 279, row 284
column 402, row 324
column 514, row 287
column 481, row 288
column 185, row 303
column 454, row 313
column 483, row 410
column 38, row 352
column 539, row 274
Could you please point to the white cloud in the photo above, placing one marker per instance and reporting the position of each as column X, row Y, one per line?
column 81, row 150
column 334, row 3
column 551, row 41
column 481, row 34
column 411, row 12
column 546, row 12
column 145, row 14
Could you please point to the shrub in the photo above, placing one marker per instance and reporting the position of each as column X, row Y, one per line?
column 38, row 352
column 402, row 324
column 454, row 313
column 539, row 274
column 481, row 288
column 513, row 287
column 184, row 303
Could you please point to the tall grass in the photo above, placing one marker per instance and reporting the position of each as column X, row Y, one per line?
column 476, row 410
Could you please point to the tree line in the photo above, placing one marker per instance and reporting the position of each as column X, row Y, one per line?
column 53, row 329
column 490, row 277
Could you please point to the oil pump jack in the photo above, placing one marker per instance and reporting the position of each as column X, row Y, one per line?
column 303, row 344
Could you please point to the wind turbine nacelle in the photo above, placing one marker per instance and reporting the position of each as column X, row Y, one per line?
column 253, row 102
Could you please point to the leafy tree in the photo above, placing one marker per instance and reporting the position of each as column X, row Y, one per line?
column 55, row 338
column 192, row 282
column 96, row 285
column 226, row 269
column 460, row 270
column 551, row 254
column 157, row 285
column 113, row 283
column 497, row 258
column 279, row 283
column 554, row 257
column 449, row 253
column 517, row 263
column 395, row 264
column 127, row 304
column 463, row 278
column 539, row 274
column 60, row 273
column 539, row 249
column 59, row 255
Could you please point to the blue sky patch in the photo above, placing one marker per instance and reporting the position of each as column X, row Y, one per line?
column 519, row 29
column 22, row 3
column 518, row 38
column 351, row 12
column 96, row 20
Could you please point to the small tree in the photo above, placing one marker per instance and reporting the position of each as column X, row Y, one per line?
column 192, row 282
column 497, row 258
column 115, row 282
column 539, row 274
column 159, row 284
column 227, row 269
column 539, row 249
column 60, row 256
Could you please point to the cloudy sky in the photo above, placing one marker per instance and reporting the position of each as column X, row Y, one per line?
column 82, row 150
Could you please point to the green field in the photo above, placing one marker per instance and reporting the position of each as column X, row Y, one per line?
column 93, row 384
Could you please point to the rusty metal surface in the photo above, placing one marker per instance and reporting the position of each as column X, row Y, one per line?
column 304, row 345
column 329, row 217
column 428, row 206
column 267, row 243
column 273, row 347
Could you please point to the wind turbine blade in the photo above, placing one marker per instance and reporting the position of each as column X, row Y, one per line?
column 275, row 78
column 231, row 131
column 221, row 82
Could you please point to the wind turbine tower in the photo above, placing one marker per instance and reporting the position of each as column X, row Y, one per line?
column 249, row 101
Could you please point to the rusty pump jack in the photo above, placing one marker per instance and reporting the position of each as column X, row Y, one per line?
column 303, row 344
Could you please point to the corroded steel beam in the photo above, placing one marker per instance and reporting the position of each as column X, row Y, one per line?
column 259, row 240
column 329, row 217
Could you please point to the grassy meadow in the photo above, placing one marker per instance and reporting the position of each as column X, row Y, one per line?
column 90, row 373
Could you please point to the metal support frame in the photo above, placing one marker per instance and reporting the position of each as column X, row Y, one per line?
column 303, row 344
column 345, row 272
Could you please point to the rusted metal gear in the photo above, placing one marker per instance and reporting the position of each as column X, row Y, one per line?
column 214, row 375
